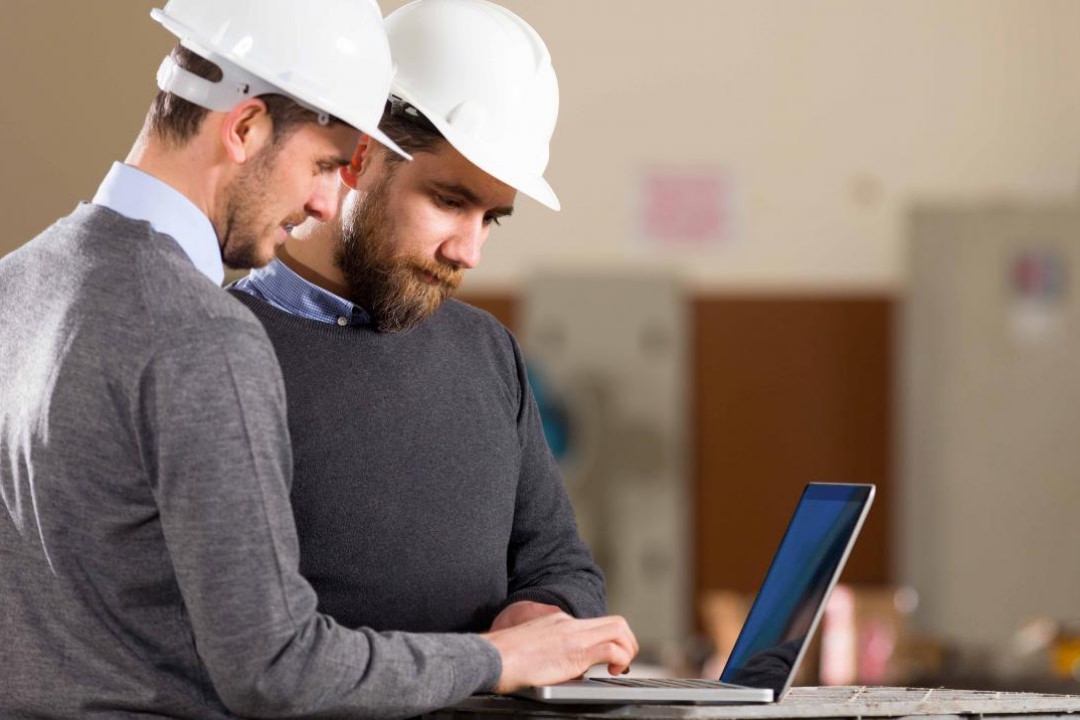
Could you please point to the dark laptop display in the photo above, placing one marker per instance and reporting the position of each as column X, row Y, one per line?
column 782, row 617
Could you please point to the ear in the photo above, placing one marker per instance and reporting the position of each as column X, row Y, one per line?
column 246, row 129
column 361, row 161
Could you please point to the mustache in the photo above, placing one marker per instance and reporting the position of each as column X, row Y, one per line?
column 447, row 275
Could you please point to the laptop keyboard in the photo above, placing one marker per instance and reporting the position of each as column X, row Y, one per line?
column 661, row 683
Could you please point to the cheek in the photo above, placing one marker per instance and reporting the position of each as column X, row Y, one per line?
column 294, row 183
column 280, row 194
column 301, row 187
column 420, row 230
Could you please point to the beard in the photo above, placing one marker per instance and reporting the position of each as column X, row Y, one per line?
column 391, row 288
column 245, row 206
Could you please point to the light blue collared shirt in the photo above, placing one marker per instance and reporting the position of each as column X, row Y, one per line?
column 284, row 289
column 139, row 196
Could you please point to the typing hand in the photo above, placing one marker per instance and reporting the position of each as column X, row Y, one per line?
column 556, row 647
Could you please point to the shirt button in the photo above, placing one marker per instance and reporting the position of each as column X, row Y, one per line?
column 343, row 321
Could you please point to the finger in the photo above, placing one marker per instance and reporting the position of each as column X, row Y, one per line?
column 597, row 629
column 612, row 654
column 623, row 626
column 628, row 633
column 613, row 629
column 633, row 637
column 617, row 670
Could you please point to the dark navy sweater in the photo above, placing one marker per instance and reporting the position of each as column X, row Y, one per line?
column 425, row 496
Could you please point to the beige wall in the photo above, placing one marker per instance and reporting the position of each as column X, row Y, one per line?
column 829, row 115
column 78, row 79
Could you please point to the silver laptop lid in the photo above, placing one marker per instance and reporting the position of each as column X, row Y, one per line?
column 792, row 598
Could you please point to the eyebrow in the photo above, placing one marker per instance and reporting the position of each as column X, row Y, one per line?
column 470, row 197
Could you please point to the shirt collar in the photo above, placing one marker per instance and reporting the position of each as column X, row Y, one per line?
column 140, row 196
column 278, row 285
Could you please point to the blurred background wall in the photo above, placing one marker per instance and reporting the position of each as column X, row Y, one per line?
column 827, row 116
column 764, row 158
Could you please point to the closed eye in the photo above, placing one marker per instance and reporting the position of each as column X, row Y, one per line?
column 330, row 164
column 447, row 202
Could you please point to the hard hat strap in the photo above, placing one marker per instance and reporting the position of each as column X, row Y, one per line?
column 235, row 86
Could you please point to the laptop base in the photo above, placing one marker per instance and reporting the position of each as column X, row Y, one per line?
column 589, row 692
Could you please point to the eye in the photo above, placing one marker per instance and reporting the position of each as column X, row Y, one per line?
column 327, row 166
column 447, row 202
column 491, row 219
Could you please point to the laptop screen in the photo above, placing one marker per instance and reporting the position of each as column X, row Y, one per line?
column 781, row 619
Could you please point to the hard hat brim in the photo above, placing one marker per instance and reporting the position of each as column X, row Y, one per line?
column 383, row 139
column 539, row 190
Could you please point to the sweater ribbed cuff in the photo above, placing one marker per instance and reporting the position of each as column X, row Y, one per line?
column 483, row 676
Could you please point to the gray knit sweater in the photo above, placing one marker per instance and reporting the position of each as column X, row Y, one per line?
column 426, row 498
column 148, row 555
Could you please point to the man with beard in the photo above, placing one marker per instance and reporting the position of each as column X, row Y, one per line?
column 148, row 555
column 425, row 495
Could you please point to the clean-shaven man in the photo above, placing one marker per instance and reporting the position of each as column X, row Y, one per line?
column 148, row 553
column 425, row 495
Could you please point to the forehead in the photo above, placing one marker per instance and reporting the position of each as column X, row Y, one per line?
column 447, row 167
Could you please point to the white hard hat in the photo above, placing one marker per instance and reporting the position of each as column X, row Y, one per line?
column 483, row 77
column 331, row 56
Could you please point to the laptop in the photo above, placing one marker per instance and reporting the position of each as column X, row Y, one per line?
column 780, row 623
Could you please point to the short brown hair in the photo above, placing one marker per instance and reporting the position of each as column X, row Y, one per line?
column 408, row 127
column 175, row 120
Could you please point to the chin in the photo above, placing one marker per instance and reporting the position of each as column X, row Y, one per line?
column 266, row 251
column 268, row 258
column 250, row 257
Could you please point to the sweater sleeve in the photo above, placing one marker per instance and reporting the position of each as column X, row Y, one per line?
column 213, row 408
column 547, row 559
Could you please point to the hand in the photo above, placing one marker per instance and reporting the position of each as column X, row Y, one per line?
column 556, row 647
column 521, row 612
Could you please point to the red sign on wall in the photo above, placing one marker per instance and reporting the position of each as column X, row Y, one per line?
column 686, row 206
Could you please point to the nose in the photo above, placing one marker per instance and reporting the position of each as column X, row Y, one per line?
column 323, row 203
column 464, row 248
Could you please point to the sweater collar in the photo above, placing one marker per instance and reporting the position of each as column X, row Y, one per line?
column 139, row 196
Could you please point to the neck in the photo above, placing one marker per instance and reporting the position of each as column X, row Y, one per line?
column 310, row 253
column 189, row 170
